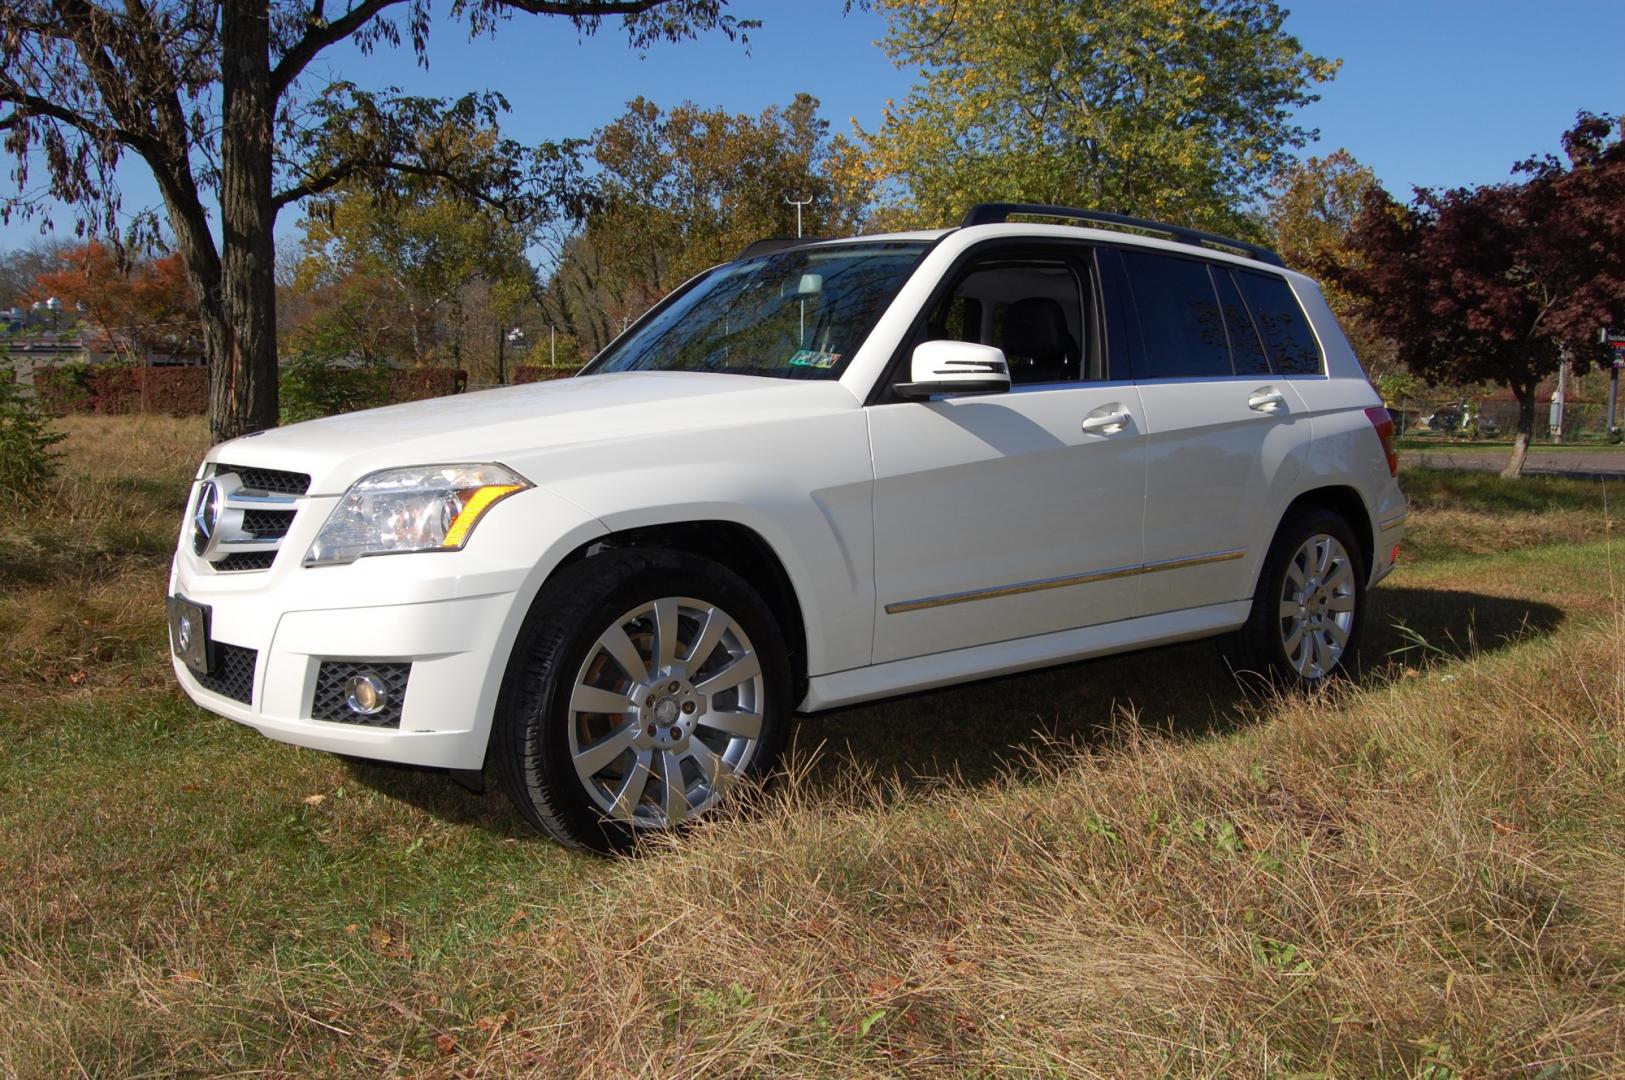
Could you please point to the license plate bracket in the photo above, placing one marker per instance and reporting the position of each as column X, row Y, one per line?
column 189, row 634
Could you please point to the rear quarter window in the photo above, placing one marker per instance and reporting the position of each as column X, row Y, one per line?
column 1284, row 328
column 1181, row 323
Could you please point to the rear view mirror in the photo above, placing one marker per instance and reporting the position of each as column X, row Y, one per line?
column 955, row 367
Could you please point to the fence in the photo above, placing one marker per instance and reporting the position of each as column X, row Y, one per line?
column 1583, row 421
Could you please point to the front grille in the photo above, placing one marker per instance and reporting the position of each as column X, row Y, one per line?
column 245, row 560
column 270, row 481
column 329, row 703
column 257, row 510
column 267, row 524
column 233, row 674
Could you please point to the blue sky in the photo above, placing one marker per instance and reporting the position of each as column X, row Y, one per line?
column 1431, row 92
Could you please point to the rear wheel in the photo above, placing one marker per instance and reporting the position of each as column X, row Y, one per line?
column 648, row 684
column 1309, row 605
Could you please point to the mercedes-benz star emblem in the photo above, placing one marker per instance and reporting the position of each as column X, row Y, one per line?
column 206, row 517
column 183, row 633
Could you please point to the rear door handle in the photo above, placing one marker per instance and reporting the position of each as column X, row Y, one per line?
column 1108, row 419
column 1266, row 399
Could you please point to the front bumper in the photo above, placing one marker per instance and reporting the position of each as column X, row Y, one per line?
column 450, row 645
column 453, row 616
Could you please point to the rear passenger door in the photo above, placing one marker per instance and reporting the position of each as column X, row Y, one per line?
column 1227, row 435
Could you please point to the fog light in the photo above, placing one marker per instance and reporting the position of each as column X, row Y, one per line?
column 365, row 694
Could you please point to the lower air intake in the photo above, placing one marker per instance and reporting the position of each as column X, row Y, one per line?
column 233, row 674
column 332, row 692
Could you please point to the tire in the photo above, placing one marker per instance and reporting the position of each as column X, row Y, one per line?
column 593, row 752
column 1309, row 606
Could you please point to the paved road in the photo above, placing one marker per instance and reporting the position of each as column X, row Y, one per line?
column 1609, row 463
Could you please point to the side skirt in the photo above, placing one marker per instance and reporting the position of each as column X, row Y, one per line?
column 1022, row 654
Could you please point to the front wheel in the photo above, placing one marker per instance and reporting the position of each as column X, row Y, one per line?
column 647, row 685
column 1309, row 606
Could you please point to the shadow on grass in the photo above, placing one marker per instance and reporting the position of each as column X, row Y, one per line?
column 976, row 732
column 972, row 734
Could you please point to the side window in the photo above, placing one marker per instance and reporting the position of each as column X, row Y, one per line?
column 1181, row 323
column 1246, row 349
column 1289, row 341
column 1033, row 309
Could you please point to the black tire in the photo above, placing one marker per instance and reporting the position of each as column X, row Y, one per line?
column 531, row 737
column 1259, row 648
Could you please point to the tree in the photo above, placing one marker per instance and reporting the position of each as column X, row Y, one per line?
column 138, row 309
column 684, row 189
column 411, row 273
column 212, row 96
column 1500, row 283
column 1176, row 109
column 1313, row 204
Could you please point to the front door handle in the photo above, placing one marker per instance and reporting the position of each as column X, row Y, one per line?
column 1266, row 399
column 1108, row 419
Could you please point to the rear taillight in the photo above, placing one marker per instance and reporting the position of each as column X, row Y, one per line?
column 1384, row 423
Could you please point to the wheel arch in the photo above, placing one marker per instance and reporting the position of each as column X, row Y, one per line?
column 1347, row 503
column 731, row 544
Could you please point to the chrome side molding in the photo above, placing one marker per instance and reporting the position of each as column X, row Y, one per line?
column 993, row 592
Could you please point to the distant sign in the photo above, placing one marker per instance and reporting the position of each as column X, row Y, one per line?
column 1617, row 343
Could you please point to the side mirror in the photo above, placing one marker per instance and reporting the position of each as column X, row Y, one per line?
column 955, row 367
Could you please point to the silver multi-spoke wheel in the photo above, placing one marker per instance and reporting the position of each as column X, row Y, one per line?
column 1318, row 598
column 665, row 711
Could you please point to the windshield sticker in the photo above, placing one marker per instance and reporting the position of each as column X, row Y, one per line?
column 809, row 358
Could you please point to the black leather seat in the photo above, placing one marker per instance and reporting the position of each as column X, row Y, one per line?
column 1037, row 343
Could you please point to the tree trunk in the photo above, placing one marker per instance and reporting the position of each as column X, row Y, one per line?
column 243, row 373
column 1526, row 431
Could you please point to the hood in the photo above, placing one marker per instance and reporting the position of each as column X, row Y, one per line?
column 516, row 422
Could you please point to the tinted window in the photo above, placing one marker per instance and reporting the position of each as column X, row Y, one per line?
column 1180, row 321
column 1281, row 323
column 1245, row 347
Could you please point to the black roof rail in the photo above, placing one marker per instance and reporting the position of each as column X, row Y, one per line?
column 997, row 213
column 777, row 243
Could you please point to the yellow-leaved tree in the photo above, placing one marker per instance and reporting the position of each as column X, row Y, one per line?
column 1175, row 109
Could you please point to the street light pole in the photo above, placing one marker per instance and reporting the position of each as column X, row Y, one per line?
column 798, row 205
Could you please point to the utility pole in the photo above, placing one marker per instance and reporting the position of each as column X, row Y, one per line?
column 1617, row 343
column 798, row 205
column 1560, row 399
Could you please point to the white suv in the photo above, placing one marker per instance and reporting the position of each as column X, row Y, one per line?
column 824, row 473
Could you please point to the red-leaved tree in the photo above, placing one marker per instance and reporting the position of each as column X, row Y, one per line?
column 135, row 311
column 1499, row 283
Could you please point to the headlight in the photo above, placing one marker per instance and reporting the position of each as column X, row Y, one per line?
column 426, row 508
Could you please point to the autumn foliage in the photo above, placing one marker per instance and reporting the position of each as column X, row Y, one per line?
column 134, row 311
column 1499, row 283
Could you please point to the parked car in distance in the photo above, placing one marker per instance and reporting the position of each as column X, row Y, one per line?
column 824, row 473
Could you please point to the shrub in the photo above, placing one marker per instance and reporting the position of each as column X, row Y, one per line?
column 123, row 389
column 527, row 373
column 65, row 388
column 415, row 384
column 26, row 458
column 313, row 383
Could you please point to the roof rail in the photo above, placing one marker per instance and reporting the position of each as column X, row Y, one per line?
column 776, row 243
column 996, row 213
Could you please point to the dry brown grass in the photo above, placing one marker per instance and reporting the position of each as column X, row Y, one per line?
column 82, row 568
column 1424, row 875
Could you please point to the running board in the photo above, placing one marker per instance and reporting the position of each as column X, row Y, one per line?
column 1022, row 654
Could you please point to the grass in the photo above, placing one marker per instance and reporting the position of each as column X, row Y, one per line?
column 1125, row 867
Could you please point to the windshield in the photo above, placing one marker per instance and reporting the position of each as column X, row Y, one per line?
column 795, row 314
